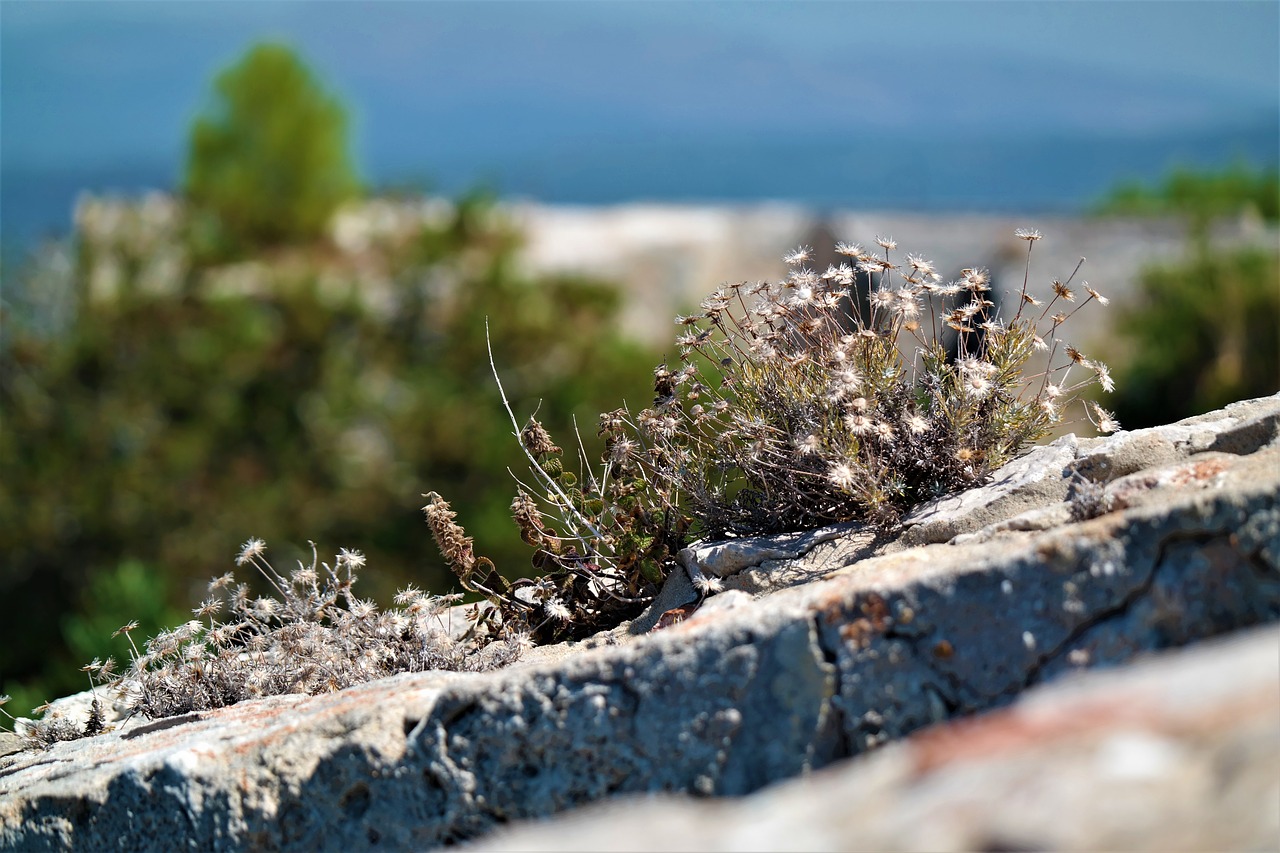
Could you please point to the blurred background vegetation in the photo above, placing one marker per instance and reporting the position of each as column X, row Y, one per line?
column 1203, row 330
column 220, row 368
column 270, row 161
column 296, row 395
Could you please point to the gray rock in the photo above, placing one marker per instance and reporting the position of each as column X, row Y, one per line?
column 1036, row 478
column 1176, row 752
column 857, row 643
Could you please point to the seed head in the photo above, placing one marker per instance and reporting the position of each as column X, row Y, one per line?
column 707, row 584
column 859, row 424
column 350, row 559
column 1101, row 300
column 797, row 256
column 556, row 609
column 1104, row 377
column 537, row 440
column 450, row 538
column 1103, row 420
column 808, row 445
column 976, row 280
column 250, row 550
column 842, row 476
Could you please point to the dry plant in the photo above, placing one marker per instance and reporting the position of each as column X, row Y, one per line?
column 312, row 635
column 809, row 405
column 600, row 551
column 794, row 405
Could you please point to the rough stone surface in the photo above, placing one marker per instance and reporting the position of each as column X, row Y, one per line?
column 804, row 660
column 1033, row 480
column 1176, row 752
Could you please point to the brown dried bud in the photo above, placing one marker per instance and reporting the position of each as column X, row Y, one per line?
column 451, row 539
column 537, row 440
column 529, row 520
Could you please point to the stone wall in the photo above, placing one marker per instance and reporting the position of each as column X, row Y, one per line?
column 1081, row 555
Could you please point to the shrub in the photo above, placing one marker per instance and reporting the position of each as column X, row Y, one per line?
column 1201, row 195
column 793, row 410
column 1199, row 334
column 269, row 160
column 312, row 636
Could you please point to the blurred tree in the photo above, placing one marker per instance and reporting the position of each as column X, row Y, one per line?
column 1201, row 195
column 1200, row 334
column 1204, row 331
column 269, row 159
column 129, row 592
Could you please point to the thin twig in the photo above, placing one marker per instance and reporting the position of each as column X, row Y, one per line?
column 551, row 483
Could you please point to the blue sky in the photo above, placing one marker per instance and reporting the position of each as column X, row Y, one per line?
column 515, row 90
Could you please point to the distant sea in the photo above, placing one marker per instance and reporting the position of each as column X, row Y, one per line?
column 928, row 172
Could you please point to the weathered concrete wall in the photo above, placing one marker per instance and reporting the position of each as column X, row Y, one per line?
column 803, row 661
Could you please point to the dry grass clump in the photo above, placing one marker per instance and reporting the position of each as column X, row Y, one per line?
column 312, row 635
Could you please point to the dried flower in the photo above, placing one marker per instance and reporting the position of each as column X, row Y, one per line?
column 808, row 445
column 1102, row 419
column 251, row 550
column 797, row 256
column 350, row 559
column 842, row 476
column 536, row 439
column 1103, row 374
column 707, row 584
column 450, row 538
column 556, row 609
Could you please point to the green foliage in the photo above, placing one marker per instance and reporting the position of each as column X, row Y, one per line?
column 1200, row 334
column 132, row 592
column 166, row 427
column 1201, row 195
column 269, row 159
column 128, row 592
